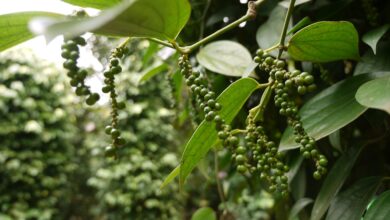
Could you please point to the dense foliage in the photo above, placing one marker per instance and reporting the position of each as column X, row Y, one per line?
column 37, row 139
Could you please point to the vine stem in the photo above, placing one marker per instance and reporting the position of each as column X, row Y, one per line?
column 285, row 27
column 251, row 14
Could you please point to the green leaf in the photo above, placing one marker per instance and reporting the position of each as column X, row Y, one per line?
column 334, row 181
column 325, row 41
column 204, row 213
column 350, row 204
column 298, row 207
column 380, row 209
column 268, row 33
column 375, row 63
column 330, row 110
column 375, row 94
column 14, row 27
column 136, row 18
column 98, row 4
column 170, row 177
column 205, row 136
column 152, row 71
column 371, row 38
column 225, row 57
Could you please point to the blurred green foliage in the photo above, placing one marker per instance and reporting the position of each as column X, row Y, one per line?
column 37, row 130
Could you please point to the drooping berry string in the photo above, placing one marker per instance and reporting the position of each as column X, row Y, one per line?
column 284, row 84
column 113, row 129
column 77, row 75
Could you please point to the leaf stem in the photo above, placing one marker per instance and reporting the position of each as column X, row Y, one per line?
column 124, row 43
column 285, row 26
column 272, row 48
column 258, row 112
column 164, row 43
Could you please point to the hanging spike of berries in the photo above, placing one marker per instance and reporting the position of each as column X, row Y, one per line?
column 284, row 83
column 265, row 158
column 109, row 87
column 70, row 52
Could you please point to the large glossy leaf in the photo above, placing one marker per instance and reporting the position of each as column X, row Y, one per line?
column 334, row 181
column 325, row 41
column 137, row 18
column 98, row 4
column 298, row 207
column 14, row 27
column 330, row 110
column 371, row 38
column 350, row 204
column 225, row 57
column 204, row 213
column 380, row 209
column 205, row 136
column 375, row 94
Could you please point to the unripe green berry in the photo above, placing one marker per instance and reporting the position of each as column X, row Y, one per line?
column 116, row 70
column 70, row 65
column 240, row 149
column 74, row 82
column 115, row 133
column 317, row 175
column 80, row 91
column 242, row 169
column 222, row 135
column 74, row 55
column 269, row 60
column 240, row 159
column 65, row 54
column 308, row 79
column 109, row 151
column 280, row 64
column 114, row 62
column 119, row 142
column 323, row 162
column 217, row 106
column 210, row 116
column 302, row 90
column 260, row 52
column 108, row 129
column 106, row 89
column 80, row 41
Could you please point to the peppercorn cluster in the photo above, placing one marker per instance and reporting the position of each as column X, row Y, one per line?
column 205, row 100
column 265, row 157
column 285, row 84
column 109, row 80
column 264, row 153
column 71, row 53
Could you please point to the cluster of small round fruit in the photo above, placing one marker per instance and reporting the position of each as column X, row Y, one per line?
column 70, row 52
column 109, row 80
column 285, row 84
